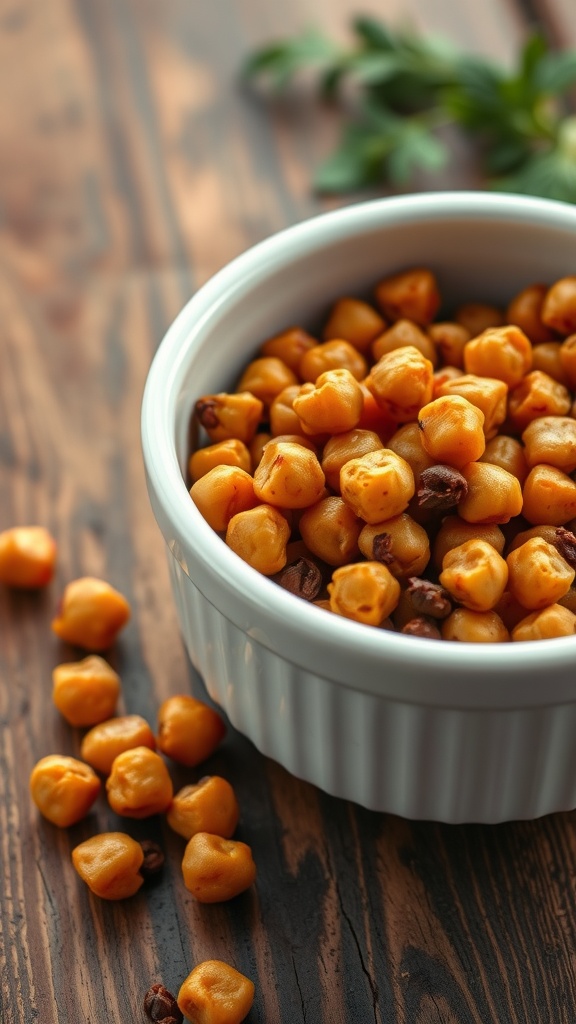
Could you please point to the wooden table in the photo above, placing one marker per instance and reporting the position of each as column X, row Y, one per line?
column 132, row 166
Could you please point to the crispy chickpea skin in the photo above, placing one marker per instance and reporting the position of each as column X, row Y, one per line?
column 365, row 591
column 377, row 486
column 139, row 784
column 469, row 626
column 85, row 692
column 221, row 493
column 559, row 306
column 401, row 382
column 338, row 450
column 552, row 440
column 355, row 321
column 27, row 556
column 412, row 294
column 259, row 537
column 216, row 993
column 337, row 354
column 400, row 543
column 547, row 624
column 494, row 495
column 501, row 352
column 217, row 869
column 549, row 496
column 209, row 805
column 266, row 377
column 289, row 346
column 91, row 615
column 452, row 430
column 332, row 405
column 224, row 453
column 63, row 789
column 188, row 729
column 227, row 415
column 475, row 575
column 330, row 530
column 288, row 476
column 105, row 741
column 110, row 865
column 538, row 575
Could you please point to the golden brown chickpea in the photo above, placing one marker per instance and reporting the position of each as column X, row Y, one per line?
column 27, row 556
column 551, row 439
column 337, row 354
column 225, row 415
column 377, row 486
column 63, row 789
column 265, row 378
column 538, row 575
column 215, row 993
column 475, row 574
column 217, row 869
column 401, row 543
column 209, row 805
column 283, row 418
column 537, row 395
column 549, row 496
column 508, row 453
column 486, row 393
column 455, row 531
column 221, row 493
column 91, row 614
column 559, row 306
column 289, row 346
column 452, row 430
column 365, row 591
column 85, row 692
column 568, row 359
column 288, row 476
column 139, row 784
column 189, row 730
column 450, row 339
column 340, row 448
column 545, row 531
column 494, row 495
column 401, row 382
column 477, row 317
column 473, row 627
column 547, row 624
column 400, row 335
column 105, row 741
column 509, row 610
column 412, row 294
column 224, row 453
column 546, row 358
column 110, row 865
column 502, row 352
column 256, row 447
column 525, row 311
column 355, row 321
column 407, row 442
column 442, row 376
column 332, row 405
column 259, row 536
column 330, row 530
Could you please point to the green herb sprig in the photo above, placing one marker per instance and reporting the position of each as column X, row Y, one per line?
column 409, row 88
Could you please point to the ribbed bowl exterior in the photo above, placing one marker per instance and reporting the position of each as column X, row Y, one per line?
column 441, row 764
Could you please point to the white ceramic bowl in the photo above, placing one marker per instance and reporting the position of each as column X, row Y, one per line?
column 424, row 729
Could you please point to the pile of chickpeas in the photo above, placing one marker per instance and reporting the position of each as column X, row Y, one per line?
column 410, row 472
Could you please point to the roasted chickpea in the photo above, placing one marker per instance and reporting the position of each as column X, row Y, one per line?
column 209, row 805
column 502, row 352
column 337, row 354
column 377, row 486
column 401, row 382
column 525, row 311
column 288, row 476
column 289, row 346
column 537, row 395
column 508, row 453
column 475, row 574
column 340, row 448
column 442, row 376
column 546, row 358
column 400, row 335
column 494, row 495
column 455, row 531
column 85, row 692
column 546, row 624
column 229, row 415
column 486, row 393
column 552, row 440
column 568, row 359
column 355, row 321
column 139, row 784
column 217, row 869
column 110, row 865
column 91, row 615
column 215, row 993
column 259, row 536
column 283, row 417
column 539, row 576
column 407, row 442
column 332, row 405
column 189, row 730
column 257, row 445
column 330, row 529
column 559, row 306
column 477, row 317
column 452, row 430
column 27, row 556
column 63, row 789
column 266, row 377
column 411, row 294
column 450, row 339
column 224, row 453
column 105, row 741
column 221, row 493
column 549, row 496
column 468, row 626
column 400, row 543
column 365, row 591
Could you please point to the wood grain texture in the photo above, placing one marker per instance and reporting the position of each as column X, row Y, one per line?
column 133, row 166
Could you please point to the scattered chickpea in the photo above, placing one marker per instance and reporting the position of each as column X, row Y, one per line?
column 27, row 556
column 139, row 784
column 188, row 729
column 63, row 789
column 85, row 692
column 107, row 739
column 91, row 615
column 216, row 993
column 217, row 869
column 209, row 805
column 110, row 865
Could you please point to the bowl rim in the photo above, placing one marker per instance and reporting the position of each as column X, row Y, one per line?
column 257, row 605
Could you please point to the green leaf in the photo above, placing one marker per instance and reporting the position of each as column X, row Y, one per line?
column 556, row 72
column 373, row 33
column 551, row 175
column 358, row 161
column 415, row 148
column 281, row 61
